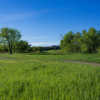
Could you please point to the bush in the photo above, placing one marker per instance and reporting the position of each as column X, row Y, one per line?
column 23, row 46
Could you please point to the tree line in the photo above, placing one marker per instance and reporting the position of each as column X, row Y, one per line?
column 81, row 42
column 10, row 41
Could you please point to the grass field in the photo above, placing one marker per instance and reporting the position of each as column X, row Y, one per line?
column 49, row 77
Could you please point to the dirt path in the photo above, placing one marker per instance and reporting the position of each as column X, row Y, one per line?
column 83, row 62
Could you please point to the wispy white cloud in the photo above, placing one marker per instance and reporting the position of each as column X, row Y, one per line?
column 20, row 16
column 14, row 17
column 45, row 43
column 35, row 38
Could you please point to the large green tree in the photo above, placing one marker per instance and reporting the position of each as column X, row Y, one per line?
column 11, row 36
column 90, row 40
column 76, row 42
column 66, row 42
column 71, row 42
column 87, row 41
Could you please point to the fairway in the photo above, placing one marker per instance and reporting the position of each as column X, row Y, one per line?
column 48, row 77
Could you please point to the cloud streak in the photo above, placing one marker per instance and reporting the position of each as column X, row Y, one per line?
column 13, row 17
column 45, row 43
column 20, row 16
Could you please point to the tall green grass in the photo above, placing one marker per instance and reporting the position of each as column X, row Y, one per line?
column 47, row 77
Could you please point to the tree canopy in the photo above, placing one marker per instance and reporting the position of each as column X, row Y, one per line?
column 87, row 41
column 10, row 36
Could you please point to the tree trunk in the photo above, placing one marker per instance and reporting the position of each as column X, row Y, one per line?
column 10, row 48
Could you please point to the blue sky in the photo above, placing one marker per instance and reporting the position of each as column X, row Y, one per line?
column 42, row 22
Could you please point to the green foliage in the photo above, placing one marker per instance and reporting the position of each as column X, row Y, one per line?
column 71, row 42
column 47, row 77
column 3, row 48
column 11, row 36
column 66, row 43
column 91, row 39
column 37, row 49
column 23, row 46
column 87, row 42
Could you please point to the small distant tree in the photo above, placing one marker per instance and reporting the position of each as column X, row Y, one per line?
column 23, row 46
column 3, row 48
column 11, row 36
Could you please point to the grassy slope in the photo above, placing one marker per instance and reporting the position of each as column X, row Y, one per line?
column 47, row 77
column 77, row 56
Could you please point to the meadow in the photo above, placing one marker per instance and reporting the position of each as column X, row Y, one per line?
column 49, row 77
